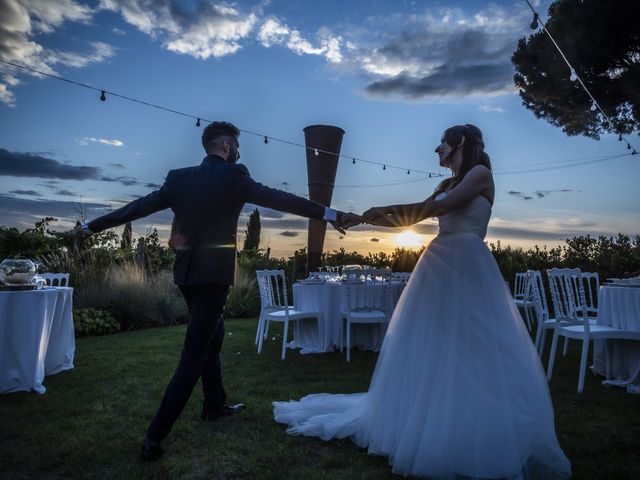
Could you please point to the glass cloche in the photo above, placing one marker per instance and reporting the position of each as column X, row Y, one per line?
column 17, row 271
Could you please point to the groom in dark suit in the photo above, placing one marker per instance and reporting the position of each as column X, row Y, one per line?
column 207, row 200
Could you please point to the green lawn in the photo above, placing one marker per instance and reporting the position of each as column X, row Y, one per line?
column 92, row 419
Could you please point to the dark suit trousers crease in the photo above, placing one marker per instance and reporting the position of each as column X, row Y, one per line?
column 200, row 357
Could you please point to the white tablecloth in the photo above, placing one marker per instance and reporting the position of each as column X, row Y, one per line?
column 330, row 300
column 36, row 337
column 618, row 360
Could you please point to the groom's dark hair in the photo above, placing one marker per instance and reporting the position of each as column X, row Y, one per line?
column 216, row 131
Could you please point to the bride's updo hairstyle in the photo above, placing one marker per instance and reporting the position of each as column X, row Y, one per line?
column 472, row 152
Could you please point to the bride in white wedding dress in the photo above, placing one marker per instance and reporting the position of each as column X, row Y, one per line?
column 458, row 390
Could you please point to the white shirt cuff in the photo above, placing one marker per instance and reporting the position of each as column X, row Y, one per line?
column 330, row 215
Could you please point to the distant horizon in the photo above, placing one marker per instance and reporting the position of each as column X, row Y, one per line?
column 387, row 242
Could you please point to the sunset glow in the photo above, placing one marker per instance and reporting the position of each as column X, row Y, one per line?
column 408, row 239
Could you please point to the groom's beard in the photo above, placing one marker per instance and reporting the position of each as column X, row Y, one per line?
column 233, row 156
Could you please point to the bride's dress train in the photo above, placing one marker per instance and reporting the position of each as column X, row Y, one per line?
column 458, row 390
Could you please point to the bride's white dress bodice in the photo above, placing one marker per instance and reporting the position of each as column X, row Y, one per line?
column 473, row 218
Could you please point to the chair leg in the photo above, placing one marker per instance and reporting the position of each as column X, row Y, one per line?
column 259, row 330
column 261, row 335
column 266, row 328
column 542, row 341
column 348, row 341
column 583, row 364
column 527, row 316
column 565, row 349
column 538, row 336
column 552, row 356
column 284, row 338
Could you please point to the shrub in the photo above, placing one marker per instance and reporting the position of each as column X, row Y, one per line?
column 89, row 322
column 137, row 299
column 244, row 298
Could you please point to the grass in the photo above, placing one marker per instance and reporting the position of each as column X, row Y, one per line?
column 92, row 419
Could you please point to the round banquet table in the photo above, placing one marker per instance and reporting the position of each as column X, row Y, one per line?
column 36, row 337
column 330, row 300
column 618, row 360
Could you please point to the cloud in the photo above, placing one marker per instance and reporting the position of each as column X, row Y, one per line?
column 22, row 212
column 31, row 193
column 489, row 108
column 21, row 21
column 375, row 240
column 118, row 31
column 19, row 164
column 101, row 51
column 201, row 30
column 274, row 32
column 152, row 185
column 288, row 233
column 66, row 193
column 117, row 165
column 126, row 181
column 442, row 53
column 104, row 141
column 537, row 193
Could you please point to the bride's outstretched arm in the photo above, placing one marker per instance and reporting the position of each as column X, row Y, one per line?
column 475, row 182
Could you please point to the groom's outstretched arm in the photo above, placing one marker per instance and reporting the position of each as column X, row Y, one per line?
column 248, row 190
column 143, row 206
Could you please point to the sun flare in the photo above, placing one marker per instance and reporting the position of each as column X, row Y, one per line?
column 408, row 239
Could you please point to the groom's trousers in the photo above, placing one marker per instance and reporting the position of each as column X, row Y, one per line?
column 200, row 357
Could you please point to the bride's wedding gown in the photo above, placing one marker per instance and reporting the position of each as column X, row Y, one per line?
column 458, row 390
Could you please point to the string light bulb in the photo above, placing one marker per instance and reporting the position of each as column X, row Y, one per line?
column 266, row 139
column 198, row 122
column 619, row 137
column 593, row 106
column 384, row 167
column 354, row 160
column 574, row 75
column 315, row 152
column 408, row 172
column 103, row 97
column 534, row 24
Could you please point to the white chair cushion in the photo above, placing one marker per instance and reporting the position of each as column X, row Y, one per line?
column 281, row 315
column 366, row 316
column 592, row 329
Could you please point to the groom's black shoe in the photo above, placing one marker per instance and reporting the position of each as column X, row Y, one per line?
column 226, row 411
column 150, row 450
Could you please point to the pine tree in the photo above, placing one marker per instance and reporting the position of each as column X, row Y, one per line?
column 601, row 40
column 252, row 233
column 125, row 242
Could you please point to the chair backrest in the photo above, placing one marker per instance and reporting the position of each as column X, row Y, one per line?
column 273, row 289
column 368, row 289
column 520, row 287
column 568, row 307
column 402, row 277
column 537, row 295
column 535, row 281
column 591, row 285
column 56, row 279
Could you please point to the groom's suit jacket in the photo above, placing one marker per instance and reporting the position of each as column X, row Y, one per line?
column 207, row 200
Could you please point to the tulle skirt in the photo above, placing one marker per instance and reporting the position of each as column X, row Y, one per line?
column 458, row 390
